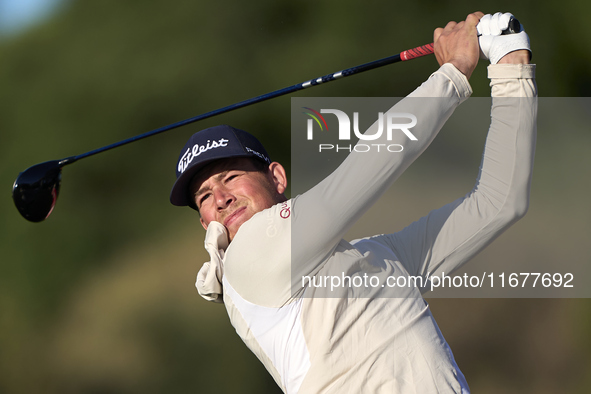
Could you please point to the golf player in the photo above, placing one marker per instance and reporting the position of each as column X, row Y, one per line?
column 314, row 339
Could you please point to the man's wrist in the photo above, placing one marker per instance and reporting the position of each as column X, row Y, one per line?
column 516, row 57
column 463, row 66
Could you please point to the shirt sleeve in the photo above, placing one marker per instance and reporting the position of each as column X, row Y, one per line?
column 323, row 215
column 449, row 236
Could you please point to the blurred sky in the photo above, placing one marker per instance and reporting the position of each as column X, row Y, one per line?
column 18, row 15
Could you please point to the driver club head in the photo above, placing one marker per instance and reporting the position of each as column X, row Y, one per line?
column 36, row 189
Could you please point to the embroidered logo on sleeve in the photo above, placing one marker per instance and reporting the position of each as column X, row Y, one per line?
column 285, row 210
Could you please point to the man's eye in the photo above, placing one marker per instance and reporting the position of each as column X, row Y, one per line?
column 203, row 198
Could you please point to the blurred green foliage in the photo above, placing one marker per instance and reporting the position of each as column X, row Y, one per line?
column 99, row 299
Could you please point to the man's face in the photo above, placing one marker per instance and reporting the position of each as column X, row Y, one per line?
column 231, row 191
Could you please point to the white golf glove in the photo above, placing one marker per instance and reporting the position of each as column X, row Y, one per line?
column 493, row 43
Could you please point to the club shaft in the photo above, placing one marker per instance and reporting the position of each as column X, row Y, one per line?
column 403, row 56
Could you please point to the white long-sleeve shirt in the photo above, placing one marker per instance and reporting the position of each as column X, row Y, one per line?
column 373, row 339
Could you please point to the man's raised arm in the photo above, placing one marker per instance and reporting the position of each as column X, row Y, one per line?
column 448, row 237
column 323, row 215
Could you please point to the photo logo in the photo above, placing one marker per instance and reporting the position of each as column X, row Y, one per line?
column 390, row 123
column 315, row 115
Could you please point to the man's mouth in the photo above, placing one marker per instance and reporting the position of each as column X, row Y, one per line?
column 233, row 216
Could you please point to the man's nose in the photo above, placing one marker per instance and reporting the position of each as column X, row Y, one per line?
column 223, row 197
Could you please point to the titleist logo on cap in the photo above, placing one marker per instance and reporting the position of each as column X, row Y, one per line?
column 196, row 150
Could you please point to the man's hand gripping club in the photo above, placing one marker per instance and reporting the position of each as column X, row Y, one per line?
column 460, row 43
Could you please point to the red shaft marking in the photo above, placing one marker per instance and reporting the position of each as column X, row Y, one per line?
column 416, row 52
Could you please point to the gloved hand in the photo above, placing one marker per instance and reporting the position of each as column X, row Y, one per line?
column 495, row 42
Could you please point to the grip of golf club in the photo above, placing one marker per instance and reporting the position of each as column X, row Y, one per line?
column 513, row 27
column 413, row 53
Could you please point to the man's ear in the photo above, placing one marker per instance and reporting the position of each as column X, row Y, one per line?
column 203, row 223
column 278, row 176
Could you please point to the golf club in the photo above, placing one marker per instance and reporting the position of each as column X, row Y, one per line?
column 36, row 189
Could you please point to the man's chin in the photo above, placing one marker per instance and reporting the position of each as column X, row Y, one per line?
column 234, row 227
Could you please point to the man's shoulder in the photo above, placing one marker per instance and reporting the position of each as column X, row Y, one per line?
column 261, row 250
column 266, row 225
